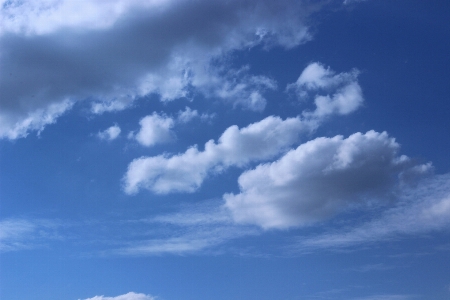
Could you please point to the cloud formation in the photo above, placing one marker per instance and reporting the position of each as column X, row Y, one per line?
column 19, row 234
column 185, row 172
column 127, row 296
column 318, row 180
column 155, row 129
column 110, row 134
column 112, row 53
column 420, row 209
column 236, row 147
column 333, row 93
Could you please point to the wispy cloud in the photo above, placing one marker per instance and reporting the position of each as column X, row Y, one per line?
column 20, row 234
column 196, row 229
column 421, row 209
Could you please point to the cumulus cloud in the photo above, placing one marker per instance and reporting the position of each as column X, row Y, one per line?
column 116, row 51
column 421, row 209
column 155, row 129
column 340, row 93
column 109, row 134
column 318, row 180
column 262, row 140
column 185, row 172
column 128, row 296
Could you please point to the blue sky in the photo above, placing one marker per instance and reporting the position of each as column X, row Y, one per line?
column 224, row 150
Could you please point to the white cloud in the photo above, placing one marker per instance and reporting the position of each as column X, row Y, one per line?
column 128, row 296
column 346, row 94
column 46, row 16
column 110, row 134
column 259, row 141
column 420, row 209
column 13, row 126
column 113, row 52
column 318, row 180
column 236, row 147
column 155, row 129
column 186, row 115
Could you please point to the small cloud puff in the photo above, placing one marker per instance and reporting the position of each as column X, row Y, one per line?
column 110, row 134
column 187, row 115
column 318, row 180
column 128, row 296
column 342, row 93
column 155, row 129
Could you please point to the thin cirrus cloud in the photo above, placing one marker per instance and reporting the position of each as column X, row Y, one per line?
column 127, row 296
column 19, row 234
column 196, row 228
column 236, row 147
column 320, row 179
column 54, row 56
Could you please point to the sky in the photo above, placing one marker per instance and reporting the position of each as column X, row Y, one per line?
column 239, row 149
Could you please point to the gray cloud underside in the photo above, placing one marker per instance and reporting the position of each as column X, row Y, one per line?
column 146, row 50
column 422, row 209
column 321, row 178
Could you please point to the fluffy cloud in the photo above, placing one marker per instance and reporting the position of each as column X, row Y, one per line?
column 421, row 209
column 318, row 180
column 262, row 140
column 155, row 129
column 346, row 94
column 110, row 134
column 116, row 51
column 236, row 147
column 128, row 296
column 186, row 115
